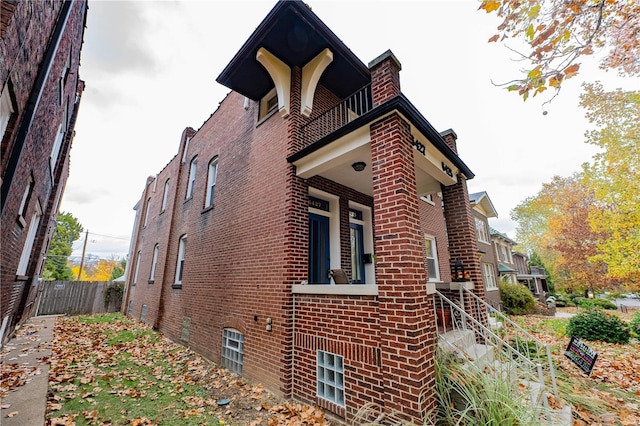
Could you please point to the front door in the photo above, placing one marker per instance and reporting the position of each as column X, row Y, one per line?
column 319, row 262
column 357, row 253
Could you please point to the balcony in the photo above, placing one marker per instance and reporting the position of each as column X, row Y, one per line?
column 354, row 106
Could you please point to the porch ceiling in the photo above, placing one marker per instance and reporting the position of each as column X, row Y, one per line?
column 334, row 162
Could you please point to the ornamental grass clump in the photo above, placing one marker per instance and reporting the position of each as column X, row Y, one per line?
column 467, row 396
column 595, row 324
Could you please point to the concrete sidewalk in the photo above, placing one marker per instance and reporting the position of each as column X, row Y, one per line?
column 25, row 360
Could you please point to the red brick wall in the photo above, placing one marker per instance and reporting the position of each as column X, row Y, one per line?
column 385, row 78
column 433, row 224
column 406, row 311
column 346, row 326
column 33, row 23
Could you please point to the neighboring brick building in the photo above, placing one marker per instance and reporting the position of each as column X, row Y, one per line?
column 503, row 246
column 40, row 44
column 482, row 210
column 314, row 168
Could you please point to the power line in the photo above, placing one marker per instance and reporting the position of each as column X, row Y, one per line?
column 109, row 236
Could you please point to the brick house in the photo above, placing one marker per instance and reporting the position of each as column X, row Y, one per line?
column 482, row 209
column 534, row 277
column 40, row 94
column 503, row 247
column 298, row 235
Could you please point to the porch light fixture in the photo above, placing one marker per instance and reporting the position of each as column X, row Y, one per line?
column 458, row 271
column 359, row 166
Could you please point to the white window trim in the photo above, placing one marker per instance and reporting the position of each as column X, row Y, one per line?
column 6, row 110
column 55, row 150
column 193, row 167
column 434, row 250
column 334, row 224
column 428, row 199
column 154, row 262
column 367, row 229
column 483, row 234
column 25, row 197
column 165, row 196
column 263, row 111
column 146, row 212
column 137, row 271
column 491, row 282
column 28, row 244
column 212, row 174
column 181, row 257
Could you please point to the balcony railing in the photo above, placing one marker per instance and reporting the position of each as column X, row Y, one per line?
column 346, row 111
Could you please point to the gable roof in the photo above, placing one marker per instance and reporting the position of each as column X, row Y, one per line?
column 295, row 35
column 497, row 234
column 482, row 200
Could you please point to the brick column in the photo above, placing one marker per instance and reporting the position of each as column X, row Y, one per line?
column 407, row 330
column 461, row 230
column 385, row 77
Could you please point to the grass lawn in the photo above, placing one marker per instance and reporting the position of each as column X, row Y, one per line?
column 109, row 370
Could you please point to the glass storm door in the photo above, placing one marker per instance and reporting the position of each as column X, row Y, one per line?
column 357, row 253
column 318, row 249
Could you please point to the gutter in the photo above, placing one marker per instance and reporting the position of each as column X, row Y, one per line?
column 401, row 104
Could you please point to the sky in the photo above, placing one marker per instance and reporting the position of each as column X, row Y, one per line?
column 150, row 70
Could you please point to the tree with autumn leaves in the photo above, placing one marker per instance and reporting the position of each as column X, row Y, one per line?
column 586, row 228
column 558, row 33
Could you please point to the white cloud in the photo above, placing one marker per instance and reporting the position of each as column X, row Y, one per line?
column 150, row 69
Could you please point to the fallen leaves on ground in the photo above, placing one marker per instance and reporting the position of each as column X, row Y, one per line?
column 14, row 372
column 617, row 366
column 95, row 361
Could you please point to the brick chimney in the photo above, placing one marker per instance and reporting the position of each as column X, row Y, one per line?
column 450, row 138
column 385, row 77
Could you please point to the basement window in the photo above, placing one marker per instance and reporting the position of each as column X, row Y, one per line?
column 330, row 378
column 232, row 350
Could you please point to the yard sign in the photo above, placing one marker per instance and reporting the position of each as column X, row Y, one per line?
column 581, row 354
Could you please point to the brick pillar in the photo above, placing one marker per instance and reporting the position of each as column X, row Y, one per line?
column 297, row 234
column 407, row 329
column 450, row 138
column 461, row 230
column 385, row 77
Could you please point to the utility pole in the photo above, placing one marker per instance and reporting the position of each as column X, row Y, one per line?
column 84, row 250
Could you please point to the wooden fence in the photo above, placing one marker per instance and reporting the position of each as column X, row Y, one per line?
column 78, row 297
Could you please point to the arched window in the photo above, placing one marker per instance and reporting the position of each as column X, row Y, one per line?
column 165, row 196
column 180, row 265
column 154, row 262
column 192, row 177
column 211, row 182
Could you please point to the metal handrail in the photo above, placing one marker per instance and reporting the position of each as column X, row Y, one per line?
column 518, row 336
column 529, row 370
column 344, row 112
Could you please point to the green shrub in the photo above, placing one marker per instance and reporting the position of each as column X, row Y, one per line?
column 595, row 324
column 596, row 303
column 516, row 299
column 634, row 324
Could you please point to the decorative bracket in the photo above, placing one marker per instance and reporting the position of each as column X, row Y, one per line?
column 311, row 74
column 281, row 75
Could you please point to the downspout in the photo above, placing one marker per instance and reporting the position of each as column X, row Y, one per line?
column 34, row 100
column 293, row 344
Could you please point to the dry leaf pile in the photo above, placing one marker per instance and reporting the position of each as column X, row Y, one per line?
column 86, row 355
column 617, row 366
column 14, row 372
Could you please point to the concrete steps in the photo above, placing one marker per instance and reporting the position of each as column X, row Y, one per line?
column 463, row 342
